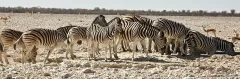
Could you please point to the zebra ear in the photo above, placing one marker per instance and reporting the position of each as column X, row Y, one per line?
column 118, row 21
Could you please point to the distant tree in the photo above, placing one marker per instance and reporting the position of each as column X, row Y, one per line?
column 188, row 11
column 164, row 11
column 96, row 9
column 224, row 12
column 183, row 11
column 200, row 11
column 232, row 11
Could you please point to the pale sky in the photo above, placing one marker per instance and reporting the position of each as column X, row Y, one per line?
column 209, row 5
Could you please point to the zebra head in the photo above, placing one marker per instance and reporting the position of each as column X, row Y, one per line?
column 226, row 46
column 100, row 19
column 116, row 24
column 158, row 24
column 230, row 51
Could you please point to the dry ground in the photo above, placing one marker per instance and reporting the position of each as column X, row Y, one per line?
column 217, row 66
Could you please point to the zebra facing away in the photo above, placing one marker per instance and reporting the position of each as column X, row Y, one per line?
column 41, row 38
column 199, row 42
column 98, row 34
column 172, row 31
column 7, row 38
column 78, row 34
column 135, row 32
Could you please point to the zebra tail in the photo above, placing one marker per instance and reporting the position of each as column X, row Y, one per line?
column 68, row 41
column 17, row 42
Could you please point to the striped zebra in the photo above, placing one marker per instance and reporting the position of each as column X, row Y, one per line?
column 41, row 38
column 78, row 34
column 7, row 38
column 107, row 35
column 173, row 31
column 142, row 20
column 201, row 43
column 135, row 32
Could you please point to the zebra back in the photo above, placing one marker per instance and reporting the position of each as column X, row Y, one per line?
column 77, row 33
column 137, row 18
column 42, row 37
column 64, row 30
column 9, row 36
column 171, row 28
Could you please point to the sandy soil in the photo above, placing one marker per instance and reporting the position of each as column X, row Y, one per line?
column 217, row 66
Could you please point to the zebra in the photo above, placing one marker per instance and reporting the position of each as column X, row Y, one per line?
column 142, row 20
column 41, row 38
column 197, row 41
column 78, row 34
column 99, row 34
column 135, row 32
column 7, row 38
column 172, row 31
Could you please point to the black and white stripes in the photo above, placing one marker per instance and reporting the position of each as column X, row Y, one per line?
column 199, row 42
column 172, row 31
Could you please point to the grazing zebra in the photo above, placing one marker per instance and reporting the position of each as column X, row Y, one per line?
column 41, row 38
column 142, row 20
column 199, row 42
column 78, row 34
column 172, row 31
column 99, row 34
column 7, row 38
column 134, row 32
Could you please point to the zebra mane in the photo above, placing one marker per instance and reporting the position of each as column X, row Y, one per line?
column 112, row 20
column 167, row 20
column 12, row 30
column 96, row 19
column 220, row 39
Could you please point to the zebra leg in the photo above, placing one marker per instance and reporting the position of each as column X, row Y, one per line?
column 69, row 49
column 183, row 53
column 90, row 50
column 48, row 54
column 110, row 52
column 115, row 44
column 150, row 45
column 122, row 45
column 1, row 58
column 143, row 44
column 134, row 50
column 167, row 45
column 71, row 52
column 4, row 54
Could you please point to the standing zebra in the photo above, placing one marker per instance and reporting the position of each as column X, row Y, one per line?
column 98, row 34
column 134, row 32
column 7, row 38
column 41, row 38
column 199, row 42
column 78, row 34
column 142, row 20
column 172, row 31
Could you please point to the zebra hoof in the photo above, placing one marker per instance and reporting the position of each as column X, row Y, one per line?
column 150, row 51
column 111, row 60
column 116, row 57
column 105, row 60
column 73, row 57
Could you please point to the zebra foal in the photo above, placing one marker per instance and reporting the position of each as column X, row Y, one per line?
column 98, row 34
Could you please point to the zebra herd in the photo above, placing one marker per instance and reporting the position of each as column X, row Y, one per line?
column 127, row 31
